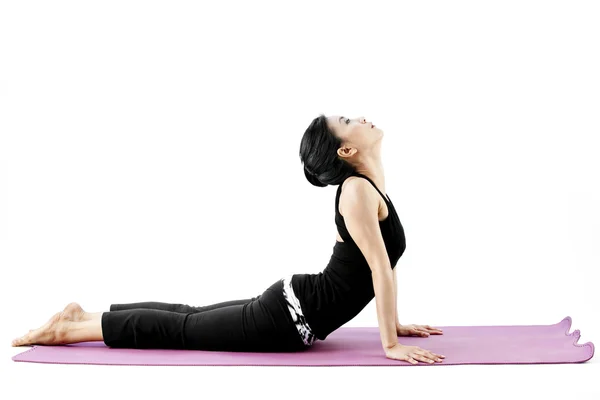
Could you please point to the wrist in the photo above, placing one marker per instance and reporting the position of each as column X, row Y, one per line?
column 390, row 346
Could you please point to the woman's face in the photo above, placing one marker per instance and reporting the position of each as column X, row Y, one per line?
column 355, row 133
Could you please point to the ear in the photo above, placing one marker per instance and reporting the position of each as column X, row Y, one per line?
column 346, row 151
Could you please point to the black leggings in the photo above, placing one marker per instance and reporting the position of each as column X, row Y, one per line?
column 258, row 324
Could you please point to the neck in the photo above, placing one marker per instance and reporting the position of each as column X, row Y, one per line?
column 373, row 168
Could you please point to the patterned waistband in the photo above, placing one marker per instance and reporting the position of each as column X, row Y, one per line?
column 293, row 305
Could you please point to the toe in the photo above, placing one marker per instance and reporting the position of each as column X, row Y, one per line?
column 20, row 341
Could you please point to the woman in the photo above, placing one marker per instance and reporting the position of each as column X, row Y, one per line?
column 297, row 309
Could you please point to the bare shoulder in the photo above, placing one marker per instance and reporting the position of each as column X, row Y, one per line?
column 360, row 203
column 356, row 191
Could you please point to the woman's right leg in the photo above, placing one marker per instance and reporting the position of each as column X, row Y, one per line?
column 177, row 307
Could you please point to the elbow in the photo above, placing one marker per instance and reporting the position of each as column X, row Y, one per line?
column 382, row 273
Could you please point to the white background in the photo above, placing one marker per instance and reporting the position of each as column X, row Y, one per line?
column 149, row 152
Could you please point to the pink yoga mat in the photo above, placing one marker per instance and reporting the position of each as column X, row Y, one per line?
column 517, row 344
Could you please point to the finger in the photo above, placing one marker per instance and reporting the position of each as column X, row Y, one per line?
column 431, row 355
column 415, row 356
column 437, row 357
column 423, row 352
column 411, row 360
column 423, row 358
column 431, row 330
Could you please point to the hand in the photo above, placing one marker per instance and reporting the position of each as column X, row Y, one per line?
column 412, row 354
column 418, row 330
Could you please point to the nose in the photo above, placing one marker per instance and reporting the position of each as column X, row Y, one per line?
column 362, row 120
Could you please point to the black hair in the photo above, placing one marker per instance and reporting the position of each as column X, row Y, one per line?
column 318, row 152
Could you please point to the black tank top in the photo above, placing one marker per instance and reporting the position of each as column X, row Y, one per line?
column 333, row 297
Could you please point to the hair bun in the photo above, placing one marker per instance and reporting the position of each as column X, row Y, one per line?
column 310, row 172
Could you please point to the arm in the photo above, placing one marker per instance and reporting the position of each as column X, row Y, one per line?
column 359, row 206
column 396, row 297
column 383, row 282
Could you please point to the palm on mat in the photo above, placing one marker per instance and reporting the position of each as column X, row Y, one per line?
column 417, row 330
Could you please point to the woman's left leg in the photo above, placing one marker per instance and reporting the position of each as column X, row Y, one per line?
column 178, row 307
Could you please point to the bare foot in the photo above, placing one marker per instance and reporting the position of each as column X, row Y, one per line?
column 75, row 313
column 55, row 330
